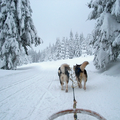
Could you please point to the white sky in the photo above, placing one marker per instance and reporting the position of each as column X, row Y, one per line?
column 56, row 18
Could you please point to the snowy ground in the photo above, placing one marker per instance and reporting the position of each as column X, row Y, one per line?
column 33, row 92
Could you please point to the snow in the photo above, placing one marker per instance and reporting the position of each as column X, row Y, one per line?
column 116, row 41
column 102, row 58
column 33, row 91
column 116, row 8
column 109, row 24
column 2, row 63
column 19, row 9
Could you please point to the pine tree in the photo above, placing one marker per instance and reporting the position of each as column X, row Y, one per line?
column 82, row 44
column 58, row 49
column 34, row 55
column 77, row 46
column 106, row 35
column 42, row 56
column 38, row 56
column 63, row 48
column 49, row 52
column 53, row 51
column 71, row 46
column 17, row 31
column 89, row 48
column 46, row 53
column 67, row 48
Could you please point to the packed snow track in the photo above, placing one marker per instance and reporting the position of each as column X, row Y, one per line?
column 33, row 92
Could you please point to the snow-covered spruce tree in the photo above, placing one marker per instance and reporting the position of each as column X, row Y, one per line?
column 81, row 39
column 34, row 55
column 53, row 52
column 17, row 31
column 71, row 46
column 58, row 49
column 49, row 52
column 82, row 44
column 66, row 49
column 42, row 56
column 63, row 48
column 89, row 48
column 77, row 46
column 106, row 35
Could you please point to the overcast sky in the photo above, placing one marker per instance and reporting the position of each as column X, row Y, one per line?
column 56, row 18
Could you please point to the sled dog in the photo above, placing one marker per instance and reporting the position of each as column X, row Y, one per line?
column 63, row 73
column 81, row 73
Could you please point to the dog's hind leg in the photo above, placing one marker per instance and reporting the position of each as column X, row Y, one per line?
column 66, row 85
column 61, row 82
column 79, row 85
column 85, row 83
column 78, row 82
column 62, row 86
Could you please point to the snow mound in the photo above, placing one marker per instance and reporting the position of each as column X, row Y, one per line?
column 113, row 69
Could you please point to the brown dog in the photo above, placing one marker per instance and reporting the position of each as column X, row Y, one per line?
column 63, row 73
column 81, row 73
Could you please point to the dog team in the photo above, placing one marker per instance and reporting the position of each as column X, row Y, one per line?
column 80, row 73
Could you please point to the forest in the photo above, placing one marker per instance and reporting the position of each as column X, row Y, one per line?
column 18, row 34
column 73, row 47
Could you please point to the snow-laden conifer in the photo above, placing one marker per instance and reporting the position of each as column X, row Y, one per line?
column 17, row 31
column 63, row 48
column 58, row 49
column 77, row 46
column 71, row 46
column 106, row 35
column 67, row 49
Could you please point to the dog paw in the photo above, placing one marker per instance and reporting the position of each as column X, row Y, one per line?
column 80, row 86
column 66, row 91
column 84, row 88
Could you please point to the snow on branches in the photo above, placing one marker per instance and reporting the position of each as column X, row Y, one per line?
column 17, row 31
column 106, row 35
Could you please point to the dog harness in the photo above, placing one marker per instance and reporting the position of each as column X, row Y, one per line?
column 66, row 72
column 79, row 70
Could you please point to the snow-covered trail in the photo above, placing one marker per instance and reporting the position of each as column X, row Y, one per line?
column 23, row 92
column 34, row 93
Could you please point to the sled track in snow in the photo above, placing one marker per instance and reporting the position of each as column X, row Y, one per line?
column 20, row 83
column 21, row 87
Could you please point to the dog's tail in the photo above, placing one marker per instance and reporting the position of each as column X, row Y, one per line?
column 64, row 67
column 84, row 64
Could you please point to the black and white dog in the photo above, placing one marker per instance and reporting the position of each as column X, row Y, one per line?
column 63, row 73
column 81, row 73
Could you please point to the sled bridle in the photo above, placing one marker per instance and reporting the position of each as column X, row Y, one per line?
column 75, row 110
